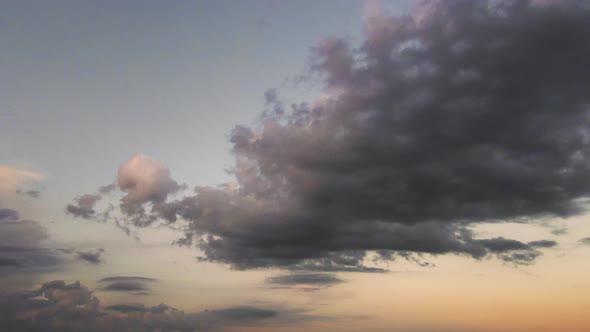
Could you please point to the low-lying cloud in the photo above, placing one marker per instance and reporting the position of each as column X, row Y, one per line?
column 21, row 247
column 57, row 306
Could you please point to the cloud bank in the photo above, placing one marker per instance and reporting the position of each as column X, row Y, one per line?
column 456, row 114
column 57, row 306
column 21, row 245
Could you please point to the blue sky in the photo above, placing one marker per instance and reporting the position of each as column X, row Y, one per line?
column 169, row 80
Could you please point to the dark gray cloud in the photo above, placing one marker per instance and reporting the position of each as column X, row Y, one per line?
column 92, row 257
column 314, row 279
column 516, row 252
column 8, row 215
column 520, row 258
column 125, row 308
column 459, row 113
column 543, row 244
column 58, row 306
column 127, row 284
column 27, row 259
column 9, row 261
column 125, row 278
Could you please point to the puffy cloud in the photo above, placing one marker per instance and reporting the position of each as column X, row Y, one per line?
column 144, row 180
column 84, row 207
column 73, row 307
column 459, row 113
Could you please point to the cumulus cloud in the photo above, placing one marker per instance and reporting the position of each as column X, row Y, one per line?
column 146, row 185
column 84, row 206
column 456, row 114
column 145, row 180
column 57, row 306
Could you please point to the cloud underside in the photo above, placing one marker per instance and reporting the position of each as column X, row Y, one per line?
column 133, row 285
column 92, row 257
column 58, row 306
column 459, row 113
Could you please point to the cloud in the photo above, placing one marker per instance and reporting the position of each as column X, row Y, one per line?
column 84, row 207
column 107, row 188
column 585, row 240
column 125, row 308
column 73, row 307
column 543, row 244
column 459, row 113
column 30, row 193
column 7, row 261
column 125, row 286
column 314, row 279
column 134, row 285
column 91, row 257
column 20, row 245
column 559, row 231
column 12, row 177
column 124, row 278
column 145, row 180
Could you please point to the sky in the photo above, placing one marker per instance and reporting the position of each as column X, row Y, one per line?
column 267, row 165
